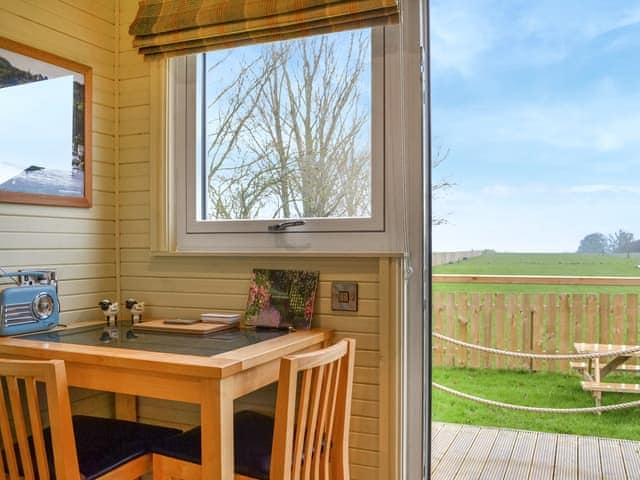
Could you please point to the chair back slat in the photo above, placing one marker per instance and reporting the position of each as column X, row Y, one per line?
column 19, row 423
column 37, row 436
column 311, row 449
column 341, row 424
column 3, row 467
column 303, row 408
column 331, row 408
column 7, row 434
column 283, row 428
column 318, row 458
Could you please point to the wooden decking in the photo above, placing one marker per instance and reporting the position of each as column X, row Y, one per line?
column 470, row 452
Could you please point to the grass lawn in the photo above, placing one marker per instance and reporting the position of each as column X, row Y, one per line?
column 569, row 264
column 540, row 389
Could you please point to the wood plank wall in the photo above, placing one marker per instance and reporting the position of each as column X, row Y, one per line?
column 77, row 242
column 186, row 286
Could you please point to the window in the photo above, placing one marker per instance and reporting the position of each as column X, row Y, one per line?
column 285, row 133
column 290, row 131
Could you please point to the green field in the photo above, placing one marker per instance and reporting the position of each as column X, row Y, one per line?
column 541, row 389
column 561, row 264
column 534, row 388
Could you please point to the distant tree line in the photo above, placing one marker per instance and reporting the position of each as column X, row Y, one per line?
column 618, row 242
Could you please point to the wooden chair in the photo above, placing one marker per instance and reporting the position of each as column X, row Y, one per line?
column 307, row 439
column 70, row 447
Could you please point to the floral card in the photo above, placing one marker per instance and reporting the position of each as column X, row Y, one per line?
column 281, row 298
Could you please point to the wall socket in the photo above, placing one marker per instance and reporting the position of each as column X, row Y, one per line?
column 344, row 296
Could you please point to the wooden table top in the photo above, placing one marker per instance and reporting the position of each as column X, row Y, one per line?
column 215, row 366
column 603, row 347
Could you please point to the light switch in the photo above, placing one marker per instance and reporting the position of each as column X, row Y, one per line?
column 344, row 296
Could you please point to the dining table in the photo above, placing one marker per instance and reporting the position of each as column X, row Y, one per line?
column 211, row 370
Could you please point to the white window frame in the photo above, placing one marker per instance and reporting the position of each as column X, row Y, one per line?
column 382, row 233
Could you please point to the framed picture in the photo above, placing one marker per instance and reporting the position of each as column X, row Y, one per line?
column 281, row 298
column 45, row 138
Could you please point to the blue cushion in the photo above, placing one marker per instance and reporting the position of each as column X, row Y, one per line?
column 253, row 434
column 104, row 444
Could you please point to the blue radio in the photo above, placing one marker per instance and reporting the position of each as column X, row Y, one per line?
column 30, row 306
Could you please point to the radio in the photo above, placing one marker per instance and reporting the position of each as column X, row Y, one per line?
column 30, row 306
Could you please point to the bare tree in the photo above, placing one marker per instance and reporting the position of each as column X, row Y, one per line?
column 286, row 132
column 441, row 186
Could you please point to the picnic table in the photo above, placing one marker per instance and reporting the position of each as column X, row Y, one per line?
column 593, row 370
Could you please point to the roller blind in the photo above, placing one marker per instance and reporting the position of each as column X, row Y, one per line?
column 179, row 27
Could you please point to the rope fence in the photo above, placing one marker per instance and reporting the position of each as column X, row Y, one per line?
column 511, row 406
column 540, row 356
column 550, row 356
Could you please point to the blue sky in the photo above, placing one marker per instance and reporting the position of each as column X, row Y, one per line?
column 537, row 104
column 31, row 134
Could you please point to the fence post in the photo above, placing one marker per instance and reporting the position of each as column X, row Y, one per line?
column 527, row 330
column 537, row 317
column 463, row 322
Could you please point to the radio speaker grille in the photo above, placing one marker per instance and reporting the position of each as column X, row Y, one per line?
column 17, row 314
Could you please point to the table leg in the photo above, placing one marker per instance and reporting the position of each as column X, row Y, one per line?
column 613, row 364
column 597, row 395
column 216, row 418
column 126, row 407
column 586, row 374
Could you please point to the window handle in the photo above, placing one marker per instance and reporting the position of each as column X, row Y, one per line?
column 281, row 227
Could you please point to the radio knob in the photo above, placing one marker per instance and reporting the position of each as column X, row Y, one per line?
column 43, row 306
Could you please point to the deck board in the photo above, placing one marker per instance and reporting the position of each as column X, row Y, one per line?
column 610, row 455
column 479, row 453
column 445, row 437
column 498, row 459
column 566, row 461
column 631, row 456
column 589, row 467
column 543, row 460
column 521, row 455
column 450, row 463
column 476, row 458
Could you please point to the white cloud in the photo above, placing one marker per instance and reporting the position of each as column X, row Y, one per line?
column 603, row 188
column 538, row 33
column 458, row 37
column 600, row 123
column 503, row 190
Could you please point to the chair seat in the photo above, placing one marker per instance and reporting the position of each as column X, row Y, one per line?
column 104, row 443
column 253, row 436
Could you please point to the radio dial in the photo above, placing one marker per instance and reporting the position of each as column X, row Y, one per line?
column 43, row 306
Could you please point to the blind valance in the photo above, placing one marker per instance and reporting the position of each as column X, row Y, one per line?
column 179, row 27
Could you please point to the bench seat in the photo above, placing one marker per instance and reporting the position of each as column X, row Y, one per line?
column 582, row 366
column 611, row 387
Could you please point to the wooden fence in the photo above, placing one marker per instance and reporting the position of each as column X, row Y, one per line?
column 539, row 323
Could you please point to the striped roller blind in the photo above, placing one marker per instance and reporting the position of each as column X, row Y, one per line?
column 179, row 27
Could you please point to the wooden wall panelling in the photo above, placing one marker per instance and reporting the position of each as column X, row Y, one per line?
column 76, row 242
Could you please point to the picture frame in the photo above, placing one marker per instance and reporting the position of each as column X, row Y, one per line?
column 45, row 142
column 281, row 298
